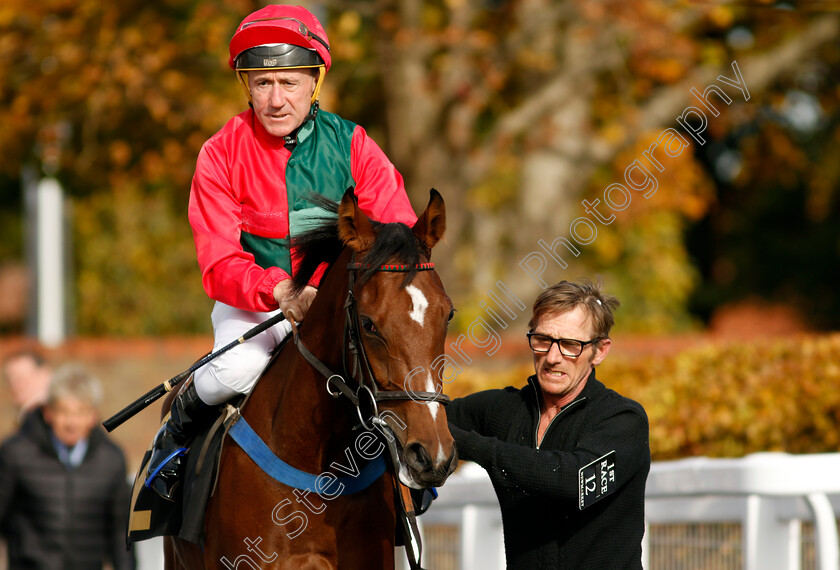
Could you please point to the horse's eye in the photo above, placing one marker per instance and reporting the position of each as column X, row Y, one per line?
column 368, row 325
column 451, row 315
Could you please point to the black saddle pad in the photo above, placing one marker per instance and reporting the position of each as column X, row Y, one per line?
column 151, row 515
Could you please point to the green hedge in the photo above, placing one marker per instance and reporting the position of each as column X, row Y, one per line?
column 723, row 400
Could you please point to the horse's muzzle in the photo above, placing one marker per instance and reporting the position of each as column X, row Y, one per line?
column 426, row 471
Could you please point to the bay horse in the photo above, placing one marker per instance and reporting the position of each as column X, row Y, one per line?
column 401, row 317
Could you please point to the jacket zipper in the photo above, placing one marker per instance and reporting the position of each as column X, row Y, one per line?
column 548, row 427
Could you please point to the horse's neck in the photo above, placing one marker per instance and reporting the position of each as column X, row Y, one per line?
column 303, row 422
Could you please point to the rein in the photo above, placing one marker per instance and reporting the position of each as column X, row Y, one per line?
column 359, row 369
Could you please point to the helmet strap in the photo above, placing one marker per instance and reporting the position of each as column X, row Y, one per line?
column 243, row 80
column 322, row 72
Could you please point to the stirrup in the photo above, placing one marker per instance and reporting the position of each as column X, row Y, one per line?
column 151, row 477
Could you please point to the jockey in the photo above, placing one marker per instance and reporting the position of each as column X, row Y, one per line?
column 248, row 199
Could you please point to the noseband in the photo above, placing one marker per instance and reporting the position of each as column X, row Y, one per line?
column 355, row 362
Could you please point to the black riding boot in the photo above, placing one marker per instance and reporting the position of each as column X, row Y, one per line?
column 189, row 415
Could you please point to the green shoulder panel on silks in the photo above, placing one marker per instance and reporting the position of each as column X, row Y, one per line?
column 321, row 164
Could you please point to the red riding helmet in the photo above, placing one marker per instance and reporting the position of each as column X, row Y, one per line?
column 280, row 36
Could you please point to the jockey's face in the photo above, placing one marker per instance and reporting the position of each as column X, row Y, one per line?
column 281, row 98
column 71, row 419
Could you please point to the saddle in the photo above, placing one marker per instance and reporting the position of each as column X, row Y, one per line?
column 151, row 515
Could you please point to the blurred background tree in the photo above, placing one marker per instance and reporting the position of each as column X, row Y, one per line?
column 115, row 100
column 520, row 109
column 515, row 110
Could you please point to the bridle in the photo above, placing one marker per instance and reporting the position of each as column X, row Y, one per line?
column 356, row 367
column 355, row 362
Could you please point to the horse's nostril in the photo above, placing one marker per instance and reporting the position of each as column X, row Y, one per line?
column 417, row 456
column 452, row 462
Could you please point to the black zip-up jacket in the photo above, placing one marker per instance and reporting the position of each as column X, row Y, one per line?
column 55, row 517
column 571, row 503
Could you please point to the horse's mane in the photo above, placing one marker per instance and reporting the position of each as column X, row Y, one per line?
column 395, row 242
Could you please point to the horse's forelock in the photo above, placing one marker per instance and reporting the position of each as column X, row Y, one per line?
column 395, row 243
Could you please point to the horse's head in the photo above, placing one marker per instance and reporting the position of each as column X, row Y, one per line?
column 402, row 318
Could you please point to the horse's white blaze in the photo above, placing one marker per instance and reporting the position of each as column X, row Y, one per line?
column 430, row 387
column 433, row 409
column 441, row 456
column 419, row 304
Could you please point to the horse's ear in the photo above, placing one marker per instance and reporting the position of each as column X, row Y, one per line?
column 431, row 224
column 354, row 227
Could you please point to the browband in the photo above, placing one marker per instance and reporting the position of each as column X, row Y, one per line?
column 396, row 267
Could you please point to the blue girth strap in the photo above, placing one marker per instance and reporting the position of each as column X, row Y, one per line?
column 261, row 454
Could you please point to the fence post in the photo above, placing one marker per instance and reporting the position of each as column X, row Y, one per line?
column 769, row 541
column 825, row 532
column 480, row 539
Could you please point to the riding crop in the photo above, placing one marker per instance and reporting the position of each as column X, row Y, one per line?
column 149, row 397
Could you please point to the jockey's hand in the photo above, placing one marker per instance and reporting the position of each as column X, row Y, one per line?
column 293, row 306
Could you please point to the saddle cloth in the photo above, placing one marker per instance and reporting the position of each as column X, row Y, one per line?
column 151, row 515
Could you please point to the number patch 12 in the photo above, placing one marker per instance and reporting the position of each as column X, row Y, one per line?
column 596, row 480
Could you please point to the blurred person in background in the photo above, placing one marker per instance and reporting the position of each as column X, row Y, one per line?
column 63, row 486
column 568, row 457
column 249, row 199
column 27, row 375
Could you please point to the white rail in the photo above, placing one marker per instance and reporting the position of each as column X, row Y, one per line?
column 769, row 494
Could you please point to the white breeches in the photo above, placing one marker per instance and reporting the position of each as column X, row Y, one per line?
column 237, row 370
